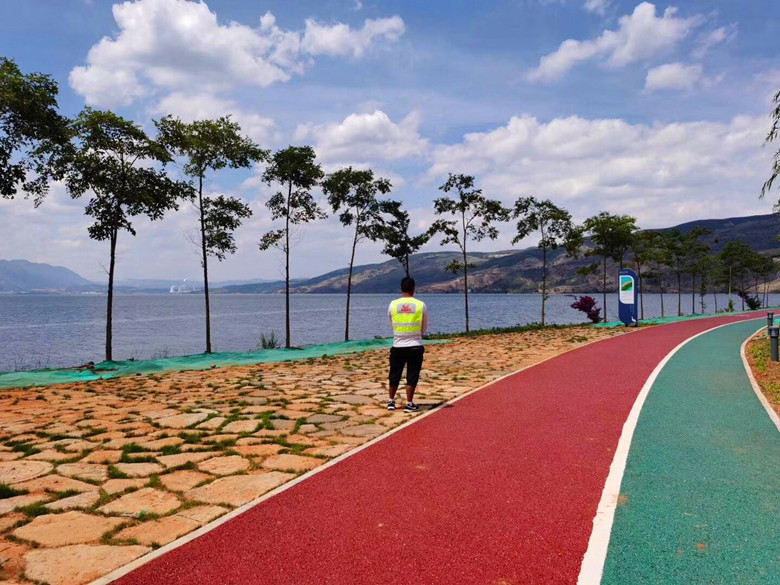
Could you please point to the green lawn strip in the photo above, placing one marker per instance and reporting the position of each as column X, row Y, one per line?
column 700, row 497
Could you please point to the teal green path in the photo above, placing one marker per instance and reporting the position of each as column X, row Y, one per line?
column 700, row 498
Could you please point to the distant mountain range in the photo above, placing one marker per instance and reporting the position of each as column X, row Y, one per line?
column 495, row 272
column 24, row 276
column 513, row 270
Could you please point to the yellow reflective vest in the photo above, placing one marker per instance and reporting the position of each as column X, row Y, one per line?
column 406, row 314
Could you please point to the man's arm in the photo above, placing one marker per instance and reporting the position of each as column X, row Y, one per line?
column 425, row 319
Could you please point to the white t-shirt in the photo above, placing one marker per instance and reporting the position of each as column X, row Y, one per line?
column 407, row 340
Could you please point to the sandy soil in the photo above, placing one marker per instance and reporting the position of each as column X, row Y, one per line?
column 766, row 372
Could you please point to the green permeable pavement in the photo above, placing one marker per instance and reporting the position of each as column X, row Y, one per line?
column 675, row 318
column 700, row 498
column 106, row 370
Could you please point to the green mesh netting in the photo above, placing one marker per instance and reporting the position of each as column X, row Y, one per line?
column 105, row 370
column 664, row 320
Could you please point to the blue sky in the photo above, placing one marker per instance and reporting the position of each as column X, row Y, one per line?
column 657, row 110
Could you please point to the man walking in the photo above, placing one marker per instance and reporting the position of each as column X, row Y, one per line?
column 409, row 320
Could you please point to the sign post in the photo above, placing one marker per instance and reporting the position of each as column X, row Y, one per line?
column 627, row 297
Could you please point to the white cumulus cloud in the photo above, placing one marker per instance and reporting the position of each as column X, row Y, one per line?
column 674, row 76
column 341, row 40
column 365, row 137
column 640, row 35
column 179, row 44
column 662, row 173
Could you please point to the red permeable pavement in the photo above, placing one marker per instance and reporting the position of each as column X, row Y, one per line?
column 499, row 488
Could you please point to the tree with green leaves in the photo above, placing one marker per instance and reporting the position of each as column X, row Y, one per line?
column 120, row 166
column 774, row 131
column 212, row 145
column 474, row 214
column 32, row 132
column 553, row 224
column 644, row 250
column 764, row 270
column 353, row 194
column 395, row 235
column 295, row 169
column 611, row 236
column 697, row 253
column 733, row 257
column 676, row 259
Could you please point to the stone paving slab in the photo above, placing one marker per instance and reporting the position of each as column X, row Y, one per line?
column 145, row 500
column 78, row 564
column 292, row 462
column 158, row 532
column 229, row 465
column 55, row 530
column 77, row 502
column 186, row 479
column 237, row 490
column 12, row 472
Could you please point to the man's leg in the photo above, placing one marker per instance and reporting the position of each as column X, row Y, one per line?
column 413, row 367
column 396, row 370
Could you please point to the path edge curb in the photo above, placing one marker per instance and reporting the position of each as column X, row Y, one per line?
column 756, row 388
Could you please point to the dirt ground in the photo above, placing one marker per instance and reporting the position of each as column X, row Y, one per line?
column 94, row 475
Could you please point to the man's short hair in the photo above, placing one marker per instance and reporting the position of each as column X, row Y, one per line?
column 407, row 285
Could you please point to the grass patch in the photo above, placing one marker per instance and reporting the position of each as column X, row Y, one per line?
column 25, row 448
column 190, row 438
column 6, row 491
column 34, row 510
column 298, row 424
column 502, row 330
column 115, row 473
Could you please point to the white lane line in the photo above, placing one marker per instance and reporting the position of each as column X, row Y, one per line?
column 592, row 566
column 139, row 562
column 756, row 388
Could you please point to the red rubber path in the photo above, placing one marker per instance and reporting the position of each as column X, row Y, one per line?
column 499, row 488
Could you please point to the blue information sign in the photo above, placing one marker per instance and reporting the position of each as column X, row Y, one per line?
column 627, row 297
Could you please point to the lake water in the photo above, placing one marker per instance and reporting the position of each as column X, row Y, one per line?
column 63, row 330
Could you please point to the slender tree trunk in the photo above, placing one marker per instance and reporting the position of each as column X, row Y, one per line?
column 693, row 294
column 730, row 301
column 661, row 283
column 679, row 296
column 349, row 281
column 715, row 299
column 702, row 294
column 465, row 270
column 287, row 342
column 742, row 290
column 110, row 302
column 204, row 262
column 466, row 284
column 604, row 290
column 544, row 280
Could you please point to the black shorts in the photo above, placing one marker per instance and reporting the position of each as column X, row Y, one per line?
column 412, row 358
